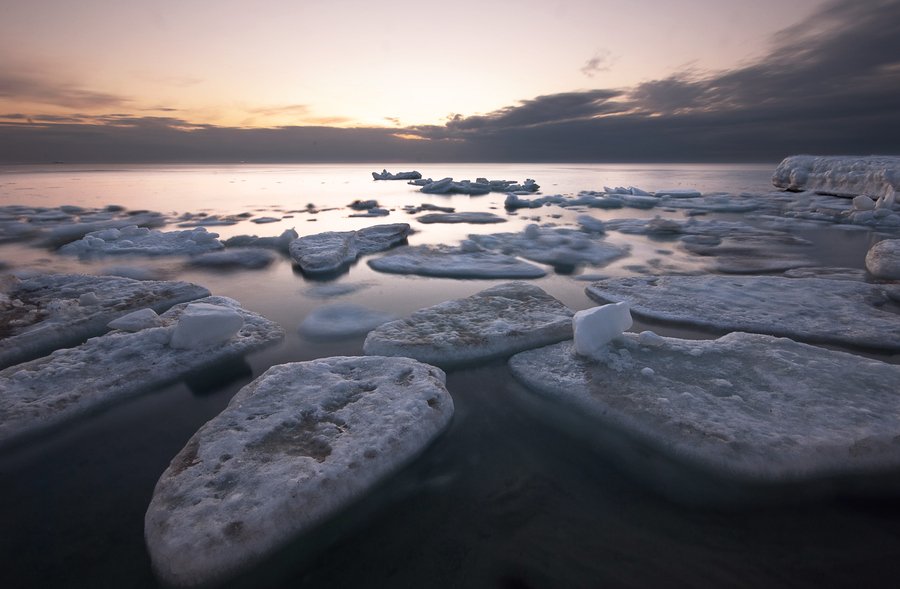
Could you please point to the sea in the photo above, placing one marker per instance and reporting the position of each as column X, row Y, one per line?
column 510, row 496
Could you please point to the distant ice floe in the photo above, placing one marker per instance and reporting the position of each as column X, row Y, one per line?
column 875, row 176
column 342, row 320
column 557, row 246
column 60, row 225
column 71, row 382
column 385, row 175
column 324, row 253
column 142, row 241
column 250, row 258
column 414, row 210
column 51, row 311
column 883, row 259
column 479, row 186
column 473, row 217
column 264, row 220
column 466, row 261
column 206, row 220
column 293, row 448
column 493, row 323
column 816, row 310
column 732, row 418
column 281, row 242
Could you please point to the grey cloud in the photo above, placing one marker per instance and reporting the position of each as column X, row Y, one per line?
column 40, row 89
column 601, row 62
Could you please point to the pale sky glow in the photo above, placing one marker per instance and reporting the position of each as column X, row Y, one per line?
column 352, row 62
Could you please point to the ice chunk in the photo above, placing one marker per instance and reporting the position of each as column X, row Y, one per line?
column 204, row 325
column 332, row 251
column 480, row 218
column 342, row 320
column 238, row 257
column 263, row 220
column 294, row 447
column 731, row 415
column 679, row 192
column 280, row 243
column 448, row 186
column 810, row 309
column 136, row 321
column 74, row 381
column 495, row 322
column 591, row 224
column 454, row 262
column 327, row 291
column 874, row 176
column 883, row 259
column 385, row 175
column 863, row 203
column 143, row 241
column 50, row 317
column 596, row 327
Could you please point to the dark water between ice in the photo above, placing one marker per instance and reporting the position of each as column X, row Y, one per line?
column 509, row 497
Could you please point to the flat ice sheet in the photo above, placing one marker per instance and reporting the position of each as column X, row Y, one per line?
column 745, row 406
column 557, row 246
column 69, row 383
column 454, row 262
column 495, row 322
column 292, row 448
column 51, row 311
column 332, row 251
column 839, row 312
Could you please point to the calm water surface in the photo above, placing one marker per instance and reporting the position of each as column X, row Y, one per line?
column 509, row 496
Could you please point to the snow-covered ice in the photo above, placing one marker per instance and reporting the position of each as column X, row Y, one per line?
column 205, row 325
column 557, row 246
column 281, row 242
column 71, row 382
column 594, row 328
column 328, row 252
column 839, row 312
column 342, row 320
column 454, row 262
column 42, row 313
column 385, row 175
column 143, row 241
column 829, row 272
column 235, row 258
column 136, row 321
column 448, row 186
column 293, row 448
column 875, row 176
column 473, row 217
column 495, row 322
column 883, row 259
column 743, row 409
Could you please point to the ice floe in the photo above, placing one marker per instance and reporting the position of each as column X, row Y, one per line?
column 809, row 309
column 143, row 241
column 466, row 261
column 883, row 259
column 385, row 175
column 44, row 313
column 281, row 242
column 235, row 258
column 743, row 409
column 292, row 449
column 875, row 176
column 557, row 246
column 473, row 217
column 329, row 252
column 594, row 328
column 495, row 322
column 327, row 291
column 342, row 320
column 448, row 186
column 70, row 382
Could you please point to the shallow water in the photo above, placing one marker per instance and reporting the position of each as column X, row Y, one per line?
column 509, row 496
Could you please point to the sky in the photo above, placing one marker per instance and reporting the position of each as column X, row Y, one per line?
column 353, row 80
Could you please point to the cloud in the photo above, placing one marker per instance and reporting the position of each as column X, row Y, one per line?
column 36, row 88
column 601, row 62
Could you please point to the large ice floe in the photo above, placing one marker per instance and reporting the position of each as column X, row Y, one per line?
column 342, row 320
column 557, row 246
column 51, row 311
column 808, row 309
column 465, row 261
column 293, row 448
column 729, row 418
column 493, row 323
column 470, row 217
column 143, row 241
column 883, row 259
column 74, row 381
column 875, row 176
column 332, row 251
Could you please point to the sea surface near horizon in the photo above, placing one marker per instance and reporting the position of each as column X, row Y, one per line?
column 507, row 497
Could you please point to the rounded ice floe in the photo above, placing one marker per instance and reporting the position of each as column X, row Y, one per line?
column 595, row 327
column 332, row 251
column 809, row 309
column 241, row 258
column 342, row 320
column 292, row 449
column 71, row 382
column 874, row 176
column 745, row 409
column 50, row 315
column 454, row 262
column 883, row 259
column 143, row 241
column 474, row 217
column 492, row 323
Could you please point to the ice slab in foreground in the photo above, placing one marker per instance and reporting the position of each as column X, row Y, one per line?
column 809, row 309
column 874, row 176
column 454, row 262
column 143, row 241
column 342, row 320
column 71, row 382
column 883, row 259
column 331, row 251
column 557, row 246
column 496, row 322
column 51, row 311
column 293, row 448
column 744, row 409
